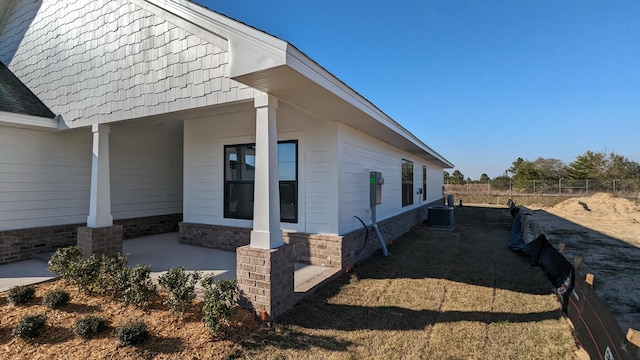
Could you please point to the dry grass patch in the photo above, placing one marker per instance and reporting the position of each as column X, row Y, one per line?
column 439, row 295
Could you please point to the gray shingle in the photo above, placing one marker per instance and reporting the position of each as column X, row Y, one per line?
column 15, row 97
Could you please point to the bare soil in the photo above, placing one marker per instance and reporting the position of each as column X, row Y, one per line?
column 439, row 294
column 605, row 231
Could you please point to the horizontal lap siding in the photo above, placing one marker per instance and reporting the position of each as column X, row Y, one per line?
column 110, row 60
column 204, row 168
column 360, row 154
column 318, row 198
column 146, row 171
column 204, row 162
column 435, row 181
column 44, row 178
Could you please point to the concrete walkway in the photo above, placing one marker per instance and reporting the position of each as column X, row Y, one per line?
column 162, row 252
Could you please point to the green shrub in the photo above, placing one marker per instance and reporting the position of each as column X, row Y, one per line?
column 64, row 260
column 132, row 333
column 139, row 287
column 56, row 298
column 90, row 326
column 219, row 298
column 19, row 295
column 112, row 279
column 29, row 326
column 69, row 264
column 105, row 275
column 181, row 287
column 85, row 274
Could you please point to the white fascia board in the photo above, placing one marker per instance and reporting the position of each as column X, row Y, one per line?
column 250, row 50
column 310, row 69
column 29, row 121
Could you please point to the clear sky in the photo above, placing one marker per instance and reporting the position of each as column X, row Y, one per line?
column 481, row 82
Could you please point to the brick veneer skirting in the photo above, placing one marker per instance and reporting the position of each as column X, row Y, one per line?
column 265, row 277
column 23, row 244
column 149, row 225
column 345, row 250
column 214, row 236
column 100, row 241
column 315, row 249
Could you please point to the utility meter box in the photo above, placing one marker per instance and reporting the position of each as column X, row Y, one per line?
column 375, row 188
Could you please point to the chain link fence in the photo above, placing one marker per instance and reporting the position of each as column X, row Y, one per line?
column 561, row 187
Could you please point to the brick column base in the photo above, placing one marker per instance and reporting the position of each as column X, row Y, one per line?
column 104, row 240
column 265, row 278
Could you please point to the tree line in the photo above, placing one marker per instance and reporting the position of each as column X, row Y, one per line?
column 591, row 165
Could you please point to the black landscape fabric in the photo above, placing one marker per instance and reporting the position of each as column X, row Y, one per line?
column 541, row 253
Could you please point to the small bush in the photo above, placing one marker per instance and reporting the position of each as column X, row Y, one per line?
column 132, row 333
column 29, row 326
column 219, row 298
column 85, row 274
column 113, row 276
column 19, row 295
column 90, row 326
column 56, row 298
column 139, row 287
column 181, row 287
column 64, row 260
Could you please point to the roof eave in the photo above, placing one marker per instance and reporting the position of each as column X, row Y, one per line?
column 29, row 122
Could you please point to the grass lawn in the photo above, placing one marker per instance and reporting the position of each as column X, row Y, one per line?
column 441, row 294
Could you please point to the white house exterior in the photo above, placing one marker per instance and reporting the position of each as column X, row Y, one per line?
column 169, row 113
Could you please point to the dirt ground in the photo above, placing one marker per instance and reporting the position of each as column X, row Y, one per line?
column 605, row 231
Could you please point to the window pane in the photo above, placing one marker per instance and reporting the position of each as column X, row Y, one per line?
column 240, row 175
column 240, row 162
column 239, row 200
column 248, row 168
column 287, row 161
column 288, row 201
column 407, row 182
column 424, row 183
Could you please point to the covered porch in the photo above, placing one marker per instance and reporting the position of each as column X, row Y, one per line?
column 162, row 252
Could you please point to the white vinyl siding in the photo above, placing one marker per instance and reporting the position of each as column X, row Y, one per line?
column 435, row 181
column 146, row 171
column 360, row 154
column 205, row 138
column 45, row 177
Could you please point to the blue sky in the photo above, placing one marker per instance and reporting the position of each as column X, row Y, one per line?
column 481, row 82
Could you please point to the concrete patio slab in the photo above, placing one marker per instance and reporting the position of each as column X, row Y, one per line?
column 162, row 252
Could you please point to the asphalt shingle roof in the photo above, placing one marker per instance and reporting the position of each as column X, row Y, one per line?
column 15, row 97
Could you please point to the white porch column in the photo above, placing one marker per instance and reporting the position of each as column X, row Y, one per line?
column 100, row 199
column 266, row 233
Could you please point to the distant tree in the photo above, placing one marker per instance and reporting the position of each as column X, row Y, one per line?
column 501, row 182
column 619, row 167
column 523, row 172
column 457, row 178
column 484, row 178
column 550, row 169
column 591, row 165
column 447, row 177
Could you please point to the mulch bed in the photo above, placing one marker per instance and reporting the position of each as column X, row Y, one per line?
column 171, row 336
